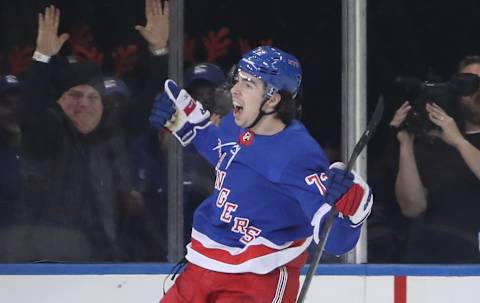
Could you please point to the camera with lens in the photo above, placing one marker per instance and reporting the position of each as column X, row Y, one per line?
column 445, row 94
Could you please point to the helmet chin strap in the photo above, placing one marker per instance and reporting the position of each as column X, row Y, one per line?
column 261, row 113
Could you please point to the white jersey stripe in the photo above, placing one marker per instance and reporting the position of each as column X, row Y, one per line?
column 282, row 284
column 262, row 264
column 209, row 243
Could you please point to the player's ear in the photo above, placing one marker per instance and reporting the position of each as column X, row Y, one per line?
column 274, row 100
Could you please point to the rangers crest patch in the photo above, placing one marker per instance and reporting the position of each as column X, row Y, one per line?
column 246, row 138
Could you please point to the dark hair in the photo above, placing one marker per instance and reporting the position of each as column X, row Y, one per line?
column 468, row 60
column 288, row 108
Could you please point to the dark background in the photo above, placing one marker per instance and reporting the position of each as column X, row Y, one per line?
column 421, row 38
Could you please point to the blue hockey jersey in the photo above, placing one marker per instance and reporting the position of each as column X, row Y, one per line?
column 265, row 205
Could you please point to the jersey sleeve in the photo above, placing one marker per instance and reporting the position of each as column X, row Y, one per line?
column 302, row 176
column 208, row 140
column 205, row 142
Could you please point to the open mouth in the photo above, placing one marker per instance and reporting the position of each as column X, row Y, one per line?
column 237, row 109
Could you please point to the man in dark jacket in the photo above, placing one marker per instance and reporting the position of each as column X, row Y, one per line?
column 75, row 174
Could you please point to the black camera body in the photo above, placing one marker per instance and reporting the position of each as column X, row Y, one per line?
column 445, row 94
column 417, row 121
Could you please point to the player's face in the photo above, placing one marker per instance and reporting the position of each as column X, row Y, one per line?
column 247, row 96
column 83, row 106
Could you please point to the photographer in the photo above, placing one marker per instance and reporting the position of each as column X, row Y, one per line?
column 438, row 179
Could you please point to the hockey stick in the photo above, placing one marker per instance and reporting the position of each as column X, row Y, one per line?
column 359, row 146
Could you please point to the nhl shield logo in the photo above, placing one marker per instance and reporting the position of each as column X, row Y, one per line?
column 246, row 138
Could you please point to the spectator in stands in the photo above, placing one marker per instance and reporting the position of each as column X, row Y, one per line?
column 206, row 83
column 438, row 179
column 75, row 175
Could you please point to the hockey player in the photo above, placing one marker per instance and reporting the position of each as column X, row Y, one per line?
column 273, row 189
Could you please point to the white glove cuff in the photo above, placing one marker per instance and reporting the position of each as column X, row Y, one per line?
column 317, row 218
column 365, row 206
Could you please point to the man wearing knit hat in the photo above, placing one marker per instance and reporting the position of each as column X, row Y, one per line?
column 79, row 87
column 75, row 173
column 77, row 201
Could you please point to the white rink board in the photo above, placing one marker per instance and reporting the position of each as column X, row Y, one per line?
column 54, row 283
column 351, row 289
column 146, row 288
column 443, row 289
column 80, row 289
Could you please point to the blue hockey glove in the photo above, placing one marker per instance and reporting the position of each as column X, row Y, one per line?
column 338, row 183
column 162, row 111
column 178, row 112
column 190, row 115
column 349, row 193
